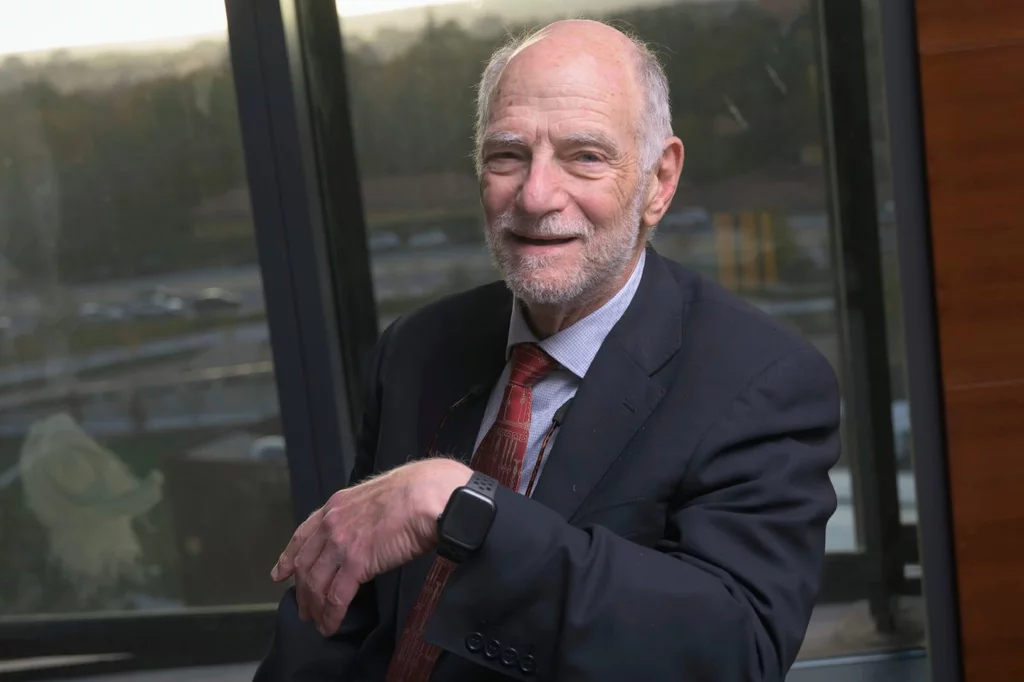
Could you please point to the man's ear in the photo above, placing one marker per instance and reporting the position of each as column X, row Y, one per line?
column 665, row 181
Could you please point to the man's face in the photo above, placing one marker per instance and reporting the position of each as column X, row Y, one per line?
column 560, row 184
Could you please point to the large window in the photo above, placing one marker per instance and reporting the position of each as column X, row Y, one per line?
column 142, row 466
column 760, row 209
column 144, row 487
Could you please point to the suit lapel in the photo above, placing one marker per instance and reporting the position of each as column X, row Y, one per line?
column 456, row 385
column 618, row 394
column 464, row 362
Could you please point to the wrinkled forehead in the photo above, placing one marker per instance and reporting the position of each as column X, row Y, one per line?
column 567, row 74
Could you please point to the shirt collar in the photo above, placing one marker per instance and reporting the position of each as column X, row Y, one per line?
column 575, row 347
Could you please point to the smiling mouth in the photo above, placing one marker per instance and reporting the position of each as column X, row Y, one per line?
column 542, row 241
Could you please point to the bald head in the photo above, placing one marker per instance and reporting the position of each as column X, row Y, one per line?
column 582, row 36
column 588, row 53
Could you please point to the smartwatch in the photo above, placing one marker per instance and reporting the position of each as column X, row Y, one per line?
column 466, row 519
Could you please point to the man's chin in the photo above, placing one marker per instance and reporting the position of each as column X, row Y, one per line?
column 538, row 289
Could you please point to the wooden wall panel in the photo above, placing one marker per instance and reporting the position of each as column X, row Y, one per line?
column 974, row 116
column 958, row 24
column 985, row 431
column 972, row 82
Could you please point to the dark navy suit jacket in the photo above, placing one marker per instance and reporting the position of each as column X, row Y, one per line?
column 676, row 533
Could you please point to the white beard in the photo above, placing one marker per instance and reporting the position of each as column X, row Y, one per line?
column 538, row 279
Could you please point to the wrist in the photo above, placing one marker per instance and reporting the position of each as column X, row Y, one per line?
column 443, row 479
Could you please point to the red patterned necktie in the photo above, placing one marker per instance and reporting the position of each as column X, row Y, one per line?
column 500, row 456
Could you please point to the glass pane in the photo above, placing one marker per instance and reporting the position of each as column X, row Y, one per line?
column 752, row 210
column 138, row 409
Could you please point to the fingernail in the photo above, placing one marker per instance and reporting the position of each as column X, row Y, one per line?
column 274, row 571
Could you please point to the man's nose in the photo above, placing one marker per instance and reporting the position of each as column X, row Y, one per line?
column 542, row 191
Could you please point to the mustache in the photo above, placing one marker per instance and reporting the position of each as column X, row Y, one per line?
column 550, row 226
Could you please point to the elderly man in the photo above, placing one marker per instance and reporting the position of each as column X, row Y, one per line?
column 605, row 468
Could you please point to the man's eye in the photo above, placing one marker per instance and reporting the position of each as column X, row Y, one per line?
column 588, row 157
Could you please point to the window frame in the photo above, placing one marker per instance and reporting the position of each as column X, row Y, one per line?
column 934, row 534
column 289, row 71
column 859, row 290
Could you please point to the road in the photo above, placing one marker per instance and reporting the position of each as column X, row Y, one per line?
column 246, row 280
column 112, row 356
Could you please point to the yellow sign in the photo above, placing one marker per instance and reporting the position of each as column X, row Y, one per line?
column 745, row 244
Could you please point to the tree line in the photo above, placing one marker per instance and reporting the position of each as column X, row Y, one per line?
column 105, row 182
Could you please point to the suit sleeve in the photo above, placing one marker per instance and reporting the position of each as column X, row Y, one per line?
column 724, row 597
column 298, row 652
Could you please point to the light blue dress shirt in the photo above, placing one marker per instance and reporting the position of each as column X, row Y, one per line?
column 574, row 348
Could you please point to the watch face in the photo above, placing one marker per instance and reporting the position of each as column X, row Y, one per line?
column 468, row 518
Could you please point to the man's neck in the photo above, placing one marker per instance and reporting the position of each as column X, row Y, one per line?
column 547, row 320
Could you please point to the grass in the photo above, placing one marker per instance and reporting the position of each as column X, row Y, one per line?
column 121, row 368
column 108, row 372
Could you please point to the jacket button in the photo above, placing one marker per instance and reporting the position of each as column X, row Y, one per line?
column 527, row 664
column 493, row 649
column 475, row 642
column 509, row 657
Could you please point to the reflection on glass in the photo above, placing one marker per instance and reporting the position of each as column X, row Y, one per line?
column 141, row 465
column 752, row 211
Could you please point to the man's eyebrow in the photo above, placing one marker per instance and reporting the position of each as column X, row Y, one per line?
column 594, row 139
column 504, row 139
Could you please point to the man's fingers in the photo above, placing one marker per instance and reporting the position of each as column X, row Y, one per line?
column 318, row 579
column 285, row 565
column 302, row 564
column 340, row 594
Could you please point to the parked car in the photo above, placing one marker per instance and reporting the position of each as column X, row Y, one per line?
column 428, row 239
column 381, row 241
column 91, row 311
column 159, row 302
column 216, row 300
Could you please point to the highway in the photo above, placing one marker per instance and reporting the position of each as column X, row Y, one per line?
column 109, row 357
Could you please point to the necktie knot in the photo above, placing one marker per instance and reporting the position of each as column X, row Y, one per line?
column 530, row 364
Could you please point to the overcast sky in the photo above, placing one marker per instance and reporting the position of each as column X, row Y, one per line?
column 31, row 25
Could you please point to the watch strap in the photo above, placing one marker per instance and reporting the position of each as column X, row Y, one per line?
column 483, row 484
column 453, row 553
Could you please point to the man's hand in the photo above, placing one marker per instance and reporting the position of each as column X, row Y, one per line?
column 364, row 531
